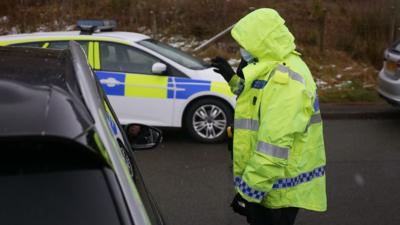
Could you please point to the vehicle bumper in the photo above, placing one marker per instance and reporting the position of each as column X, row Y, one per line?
column 389, row 88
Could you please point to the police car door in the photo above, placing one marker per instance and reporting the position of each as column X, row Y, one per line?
column 136, row 94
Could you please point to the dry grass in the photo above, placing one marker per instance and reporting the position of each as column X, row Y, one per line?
column 355, row 35
column 340, row 78
column 361, row 28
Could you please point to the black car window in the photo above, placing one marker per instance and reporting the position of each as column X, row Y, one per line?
column 30, row 44
column 64, row 45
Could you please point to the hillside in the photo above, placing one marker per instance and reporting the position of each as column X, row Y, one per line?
column 342, row 40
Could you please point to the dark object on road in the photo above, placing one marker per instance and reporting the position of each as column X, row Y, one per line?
column 65, row 159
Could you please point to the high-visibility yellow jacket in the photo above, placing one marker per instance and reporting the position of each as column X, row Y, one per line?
column 279, row 153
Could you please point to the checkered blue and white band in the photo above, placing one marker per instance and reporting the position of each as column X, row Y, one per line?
column 281, row 183
column 247, row 190
column 302, row 178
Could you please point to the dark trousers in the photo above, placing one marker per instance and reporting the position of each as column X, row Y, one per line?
column 259, row 215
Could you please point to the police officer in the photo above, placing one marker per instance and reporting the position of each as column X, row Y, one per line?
column 278, row 147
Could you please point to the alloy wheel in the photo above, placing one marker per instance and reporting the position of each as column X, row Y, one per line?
column 209, row 121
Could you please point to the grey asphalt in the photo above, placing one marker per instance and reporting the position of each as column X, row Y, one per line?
column 192, row 182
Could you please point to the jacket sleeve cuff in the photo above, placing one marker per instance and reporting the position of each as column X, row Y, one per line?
column 236, row 84
column 247, row 192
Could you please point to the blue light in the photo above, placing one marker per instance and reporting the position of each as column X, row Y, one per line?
column 96, row 25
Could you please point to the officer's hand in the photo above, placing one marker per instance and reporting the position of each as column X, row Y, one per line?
column 239, row 70
column 239, row 205
column 223, row 68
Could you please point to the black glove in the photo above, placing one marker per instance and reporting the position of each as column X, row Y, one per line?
column 239, row 70
column 239, row 205
column 223, row 68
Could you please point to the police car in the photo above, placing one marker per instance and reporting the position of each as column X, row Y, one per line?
column 65, row 159
column 147, row 81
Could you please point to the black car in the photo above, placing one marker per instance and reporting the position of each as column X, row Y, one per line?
column 64, row 158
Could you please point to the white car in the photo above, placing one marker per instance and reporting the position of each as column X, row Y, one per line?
column 389, row 76
column 147, row 81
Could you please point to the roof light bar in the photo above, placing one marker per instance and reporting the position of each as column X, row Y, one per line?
column 91, row 26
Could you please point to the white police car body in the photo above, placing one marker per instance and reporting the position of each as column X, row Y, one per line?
column 147, row 81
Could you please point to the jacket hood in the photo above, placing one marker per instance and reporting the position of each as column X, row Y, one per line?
column 264, row 35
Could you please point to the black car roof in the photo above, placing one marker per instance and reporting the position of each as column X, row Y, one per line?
column 39, row 94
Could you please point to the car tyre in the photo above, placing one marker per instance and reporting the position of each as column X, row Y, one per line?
column 206, row 120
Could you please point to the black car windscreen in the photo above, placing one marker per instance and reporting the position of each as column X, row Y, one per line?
column 48, row 181
column 78, row 197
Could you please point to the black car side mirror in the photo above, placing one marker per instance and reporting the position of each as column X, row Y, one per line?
column 143, row 137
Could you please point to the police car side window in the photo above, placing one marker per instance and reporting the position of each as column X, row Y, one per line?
column 121, row 58
column 58, row 44
column 30, row 44
column 64, row 45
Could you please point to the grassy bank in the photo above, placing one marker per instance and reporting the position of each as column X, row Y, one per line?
column 342, row 40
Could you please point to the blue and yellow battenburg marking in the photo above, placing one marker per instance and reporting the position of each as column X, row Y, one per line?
column 186, row 87
column 149, row 86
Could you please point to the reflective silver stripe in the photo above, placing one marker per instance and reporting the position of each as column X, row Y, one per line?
column 296, row 76
column 272, row 150
column 282, row 68
column 292, row 74
column 247, row 124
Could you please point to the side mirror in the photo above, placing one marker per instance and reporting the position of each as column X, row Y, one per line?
column 158, row 68
column 143, row 137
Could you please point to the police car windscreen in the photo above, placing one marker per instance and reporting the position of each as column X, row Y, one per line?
column 175, row 54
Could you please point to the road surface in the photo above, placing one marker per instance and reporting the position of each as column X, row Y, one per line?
column 193, row 185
